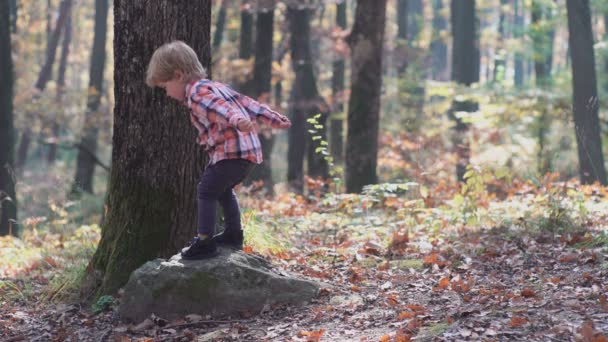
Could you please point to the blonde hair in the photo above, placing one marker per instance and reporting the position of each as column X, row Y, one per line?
column 172, row 57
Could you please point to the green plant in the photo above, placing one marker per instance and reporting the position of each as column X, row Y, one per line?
column 323, row 149
column 103, row 303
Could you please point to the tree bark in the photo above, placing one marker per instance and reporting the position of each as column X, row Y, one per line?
column 439, row 49
column 584, row 85
column 305, row 103
column 85, row 161
column 337, row 87
column 8, row 200
column 151, row 206
column 262, row 90
column 366, row 41
column 63, row 62
column 465, row 70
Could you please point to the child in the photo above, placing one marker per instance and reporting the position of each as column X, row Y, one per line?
column 226, row 126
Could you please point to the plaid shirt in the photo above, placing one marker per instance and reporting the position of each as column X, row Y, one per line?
column 216, row 109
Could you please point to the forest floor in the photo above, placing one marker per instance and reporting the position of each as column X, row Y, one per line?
column 391, row 269
column 493, row 259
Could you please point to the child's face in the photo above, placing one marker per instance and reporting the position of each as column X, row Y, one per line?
column 176, row 87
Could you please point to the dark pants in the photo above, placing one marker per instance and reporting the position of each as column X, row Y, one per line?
column 216, row 185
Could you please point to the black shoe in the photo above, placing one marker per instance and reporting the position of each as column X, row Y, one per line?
column 230, row 239
column 200, row 249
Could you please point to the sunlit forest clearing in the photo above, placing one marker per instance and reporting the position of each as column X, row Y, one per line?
column 443, row 177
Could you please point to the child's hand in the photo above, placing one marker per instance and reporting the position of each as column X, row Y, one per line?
column 244, row 125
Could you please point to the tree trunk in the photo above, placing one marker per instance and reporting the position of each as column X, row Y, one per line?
column 402, row 19
column 415, row 10
column 85, row 161
column 366, row 41
column 584, row 85
column 14, row 8
column 465, row 70
column 219, row 26
column 246, row 37
column 337, row 87
column 262, row 89
column 606, row 50
column 519, row 10
column 500, row 56
column 8, row 201
column 24, row 146
column 542, row 37
column 155, row 162
column 63, row 62
column 439, row 49
column 305, row 103
column 45, row 75
column 46, row 72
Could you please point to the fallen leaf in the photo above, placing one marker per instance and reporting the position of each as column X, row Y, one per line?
column 528, row 292
column 312, row 335
column 517, row 321
column 442, row 285
column 568, row 258
column 406, row 315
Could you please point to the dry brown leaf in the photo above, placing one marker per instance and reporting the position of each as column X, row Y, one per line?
column 312, row 335
column 528, row 292
column 517, row 321
column 416, row 308
column 402, row 336
column 406, row 315
column 568, row 258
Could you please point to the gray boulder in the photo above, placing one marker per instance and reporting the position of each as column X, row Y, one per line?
column 230, row 283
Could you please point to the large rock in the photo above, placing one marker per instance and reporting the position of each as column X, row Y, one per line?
column 230, row 283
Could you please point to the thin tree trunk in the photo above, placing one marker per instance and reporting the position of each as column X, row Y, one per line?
column 46, row 72
column 543, row 43
column 402, row 19
column 439, row 49
column 85, row 161
column 606, row 50
column 465, row 70
column 337, row 86
column 44, row 76
column 246, row 37
column 262, row 89
column 305, row 103
column 8, row 200
column 24, row 146
column 151, row 203
column 366, row 41
column 220, row 24
column 584, row 85
column 500, row 56
column 245, row 84
column 63, row 62
column 415, row 13
column 519, row 10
